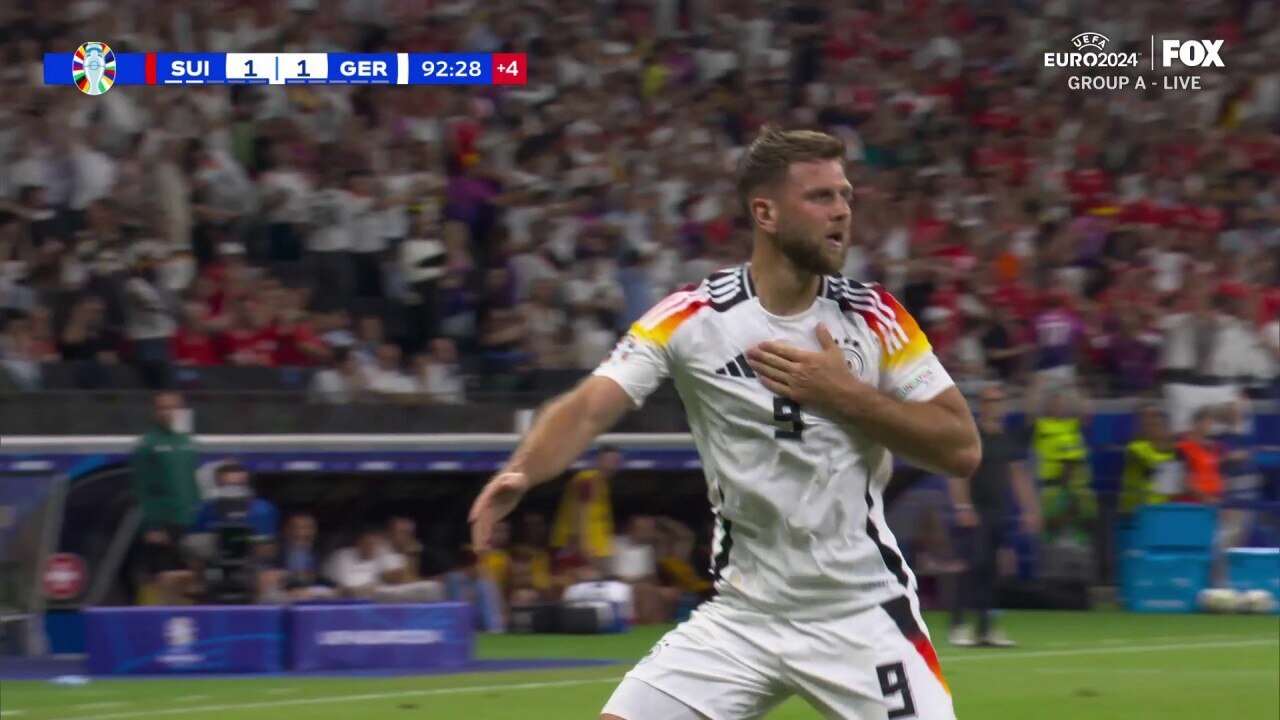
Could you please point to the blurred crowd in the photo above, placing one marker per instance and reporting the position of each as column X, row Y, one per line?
column 402, row 237
column 207, row 536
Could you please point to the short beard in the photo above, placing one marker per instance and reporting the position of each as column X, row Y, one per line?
column 805, row 254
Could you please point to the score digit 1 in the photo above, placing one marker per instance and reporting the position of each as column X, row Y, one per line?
column 509, row 69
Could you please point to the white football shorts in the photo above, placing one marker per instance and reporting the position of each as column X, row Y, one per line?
column 729, row 662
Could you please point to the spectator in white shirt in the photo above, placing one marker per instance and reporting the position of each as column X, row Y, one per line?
column 371, row 338
column 370, row 234
column 150, row 322
column 595, row 301
column 18, row 355
column 31, row 168
column 223, row 183
column 1270, row 355
column 438, row 375
column 329, row 239
column 1202, row 359
column 1262, row 336
column 341, row 383
column 635, row 562
column 386, row 378
column 336, row 332
column 173, row 194
column 285, row 193
column 94, row 171
column 371, row 570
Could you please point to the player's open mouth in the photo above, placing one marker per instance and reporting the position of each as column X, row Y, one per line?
column 835, row 239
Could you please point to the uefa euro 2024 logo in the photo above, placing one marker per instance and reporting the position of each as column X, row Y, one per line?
column 180, row 636
column 1116, row 70
column 180, row 632
column 1096, row 41
column 93, row 68
column 1090, row 51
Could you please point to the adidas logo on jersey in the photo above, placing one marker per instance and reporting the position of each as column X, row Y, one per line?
column 737, row 367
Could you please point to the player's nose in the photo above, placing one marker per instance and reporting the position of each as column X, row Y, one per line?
column 841, row 211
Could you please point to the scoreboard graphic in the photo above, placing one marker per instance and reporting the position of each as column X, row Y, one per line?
column 95, row 69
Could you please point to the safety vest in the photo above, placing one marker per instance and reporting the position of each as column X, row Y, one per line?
column 1149, row 476
column 1058, row 441
column 1203, row 474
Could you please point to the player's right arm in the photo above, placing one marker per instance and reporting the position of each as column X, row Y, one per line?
column 566, row 428
column 561, row 434
column 564, row 431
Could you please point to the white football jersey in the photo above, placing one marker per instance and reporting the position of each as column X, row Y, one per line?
column 800, row 526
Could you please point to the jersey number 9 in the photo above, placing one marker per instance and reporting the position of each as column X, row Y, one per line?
column 787, row 412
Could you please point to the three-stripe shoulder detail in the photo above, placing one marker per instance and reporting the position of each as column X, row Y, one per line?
column 874, row 304
column 727, row 288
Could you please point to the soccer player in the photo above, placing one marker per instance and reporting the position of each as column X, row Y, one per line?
column 798, row 384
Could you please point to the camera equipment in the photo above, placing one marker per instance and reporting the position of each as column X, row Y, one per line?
column 230, row 573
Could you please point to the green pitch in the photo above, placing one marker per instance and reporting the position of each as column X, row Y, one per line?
column 1072, row 666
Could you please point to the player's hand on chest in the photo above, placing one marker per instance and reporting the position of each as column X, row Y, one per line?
column 795, row 377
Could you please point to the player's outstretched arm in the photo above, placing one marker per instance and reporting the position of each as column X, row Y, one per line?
column 560, row 435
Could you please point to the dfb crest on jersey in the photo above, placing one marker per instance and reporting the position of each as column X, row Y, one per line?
column 852, row 355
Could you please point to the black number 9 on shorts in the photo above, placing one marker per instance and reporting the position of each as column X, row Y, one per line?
column 893, row 681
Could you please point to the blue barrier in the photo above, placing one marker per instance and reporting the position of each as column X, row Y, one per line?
column 183, row 640
column 1165, row 582
column 1167, row 556
column 1177, row 527
column 254, row 640
column 1254, row 569
column 65, row 631
column 380, row 636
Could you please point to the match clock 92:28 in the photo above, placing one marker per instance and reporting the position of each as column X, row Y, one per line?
column 454, row 69
column 466, row 69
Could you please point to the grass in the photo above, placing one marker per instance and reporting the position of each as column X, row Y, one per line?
column 1071, row 666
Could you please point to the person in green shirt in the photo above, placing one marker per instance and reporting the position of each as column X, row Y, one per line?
column 163, row 470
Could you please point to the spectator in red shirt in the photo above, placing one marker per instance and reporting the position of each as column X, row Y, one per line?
column 213, row 302
column 299, row 344
column 251, row 339
column 957, row 250
column 987, row 157
column 925, row 229
column 999, row 115
column 1016, row 295
column 842, row 44
column 1270, row 305
column 944, row 328
column 1088, row 184
column 193, row 342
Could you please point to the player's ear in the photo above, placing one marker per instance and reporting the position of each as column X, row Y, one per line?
column 764, row 214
